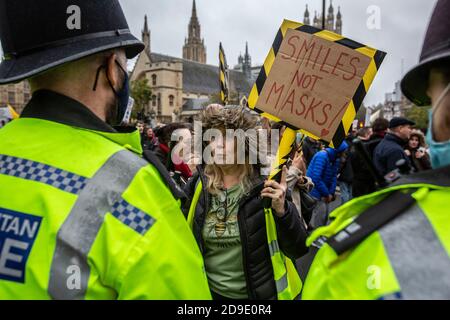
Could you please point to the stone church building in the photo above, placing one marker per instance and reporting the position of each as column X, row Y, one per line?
column 332, row 22
column 182, row 86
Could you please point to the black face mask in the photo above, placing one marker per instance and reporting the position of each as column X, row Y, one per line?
column 124, row 101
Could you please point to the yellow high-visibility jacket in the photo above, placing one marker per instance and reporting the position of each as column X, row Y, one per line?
column 83, row 216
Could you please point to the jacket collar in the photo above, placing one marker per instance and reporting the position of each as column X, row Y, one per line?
column 392, row 137
column 438, row 177
column 55, row 107
column 52, row 106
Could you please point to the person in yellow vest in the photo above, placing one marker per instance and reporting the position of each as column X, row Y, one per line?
column 395, row 243
column 248, row 250
column 82, row 214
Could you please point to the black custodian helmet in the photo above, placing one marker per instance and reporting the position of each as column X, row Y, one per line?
column 37, row 35
column 435, row 52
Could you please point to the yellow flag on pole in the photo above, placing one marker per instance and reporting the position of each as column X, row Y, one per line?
column 13, row 112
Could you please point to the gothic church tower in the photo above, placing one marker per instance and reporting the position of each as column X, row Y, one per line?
column 194, row 47
column 332, row 22
column 146, row 36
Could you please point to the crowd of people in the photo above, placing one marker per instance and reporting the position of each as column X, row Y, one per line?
column 228, row 218
column 321, row 173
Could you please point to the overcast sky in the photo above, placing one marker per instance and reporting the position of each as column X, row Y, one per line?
column 233, row 22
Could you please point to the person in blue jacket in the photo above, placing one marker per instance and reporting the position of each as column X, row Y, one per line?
column 323, row 171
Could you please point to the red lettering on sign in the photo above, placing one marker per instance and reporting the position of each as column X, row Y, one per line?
column 325, row 61
column 298, row 78
column 338, row 63
column 344, row 107
column 276, row 90
column 290, row 100
column 311, row 109
column 316, row 78
column 294, row 48
column 317, row 57
column 305, row 81
column 303, row 105
column 307, row 49
column 329, row 107
column 354, row 69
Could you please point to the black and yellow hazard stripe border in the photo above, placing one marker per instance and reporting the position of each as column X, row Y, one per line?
column 224, row 93
column 375, row 55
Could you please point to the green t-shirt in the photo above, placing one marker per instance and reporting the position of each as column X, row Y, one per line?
column 223, row 248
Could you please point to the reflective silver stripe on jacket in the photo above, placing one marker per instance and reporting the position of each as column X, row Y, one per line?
column 274, row 247
column 78, row 232
column 420, row 262
column 282, row 283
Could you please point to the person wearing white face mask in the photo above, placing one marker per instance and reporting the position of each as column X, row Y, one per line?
column 395, row 243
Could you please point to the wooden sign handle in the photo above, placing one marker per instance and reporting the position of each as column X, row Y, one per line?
column 284, row 150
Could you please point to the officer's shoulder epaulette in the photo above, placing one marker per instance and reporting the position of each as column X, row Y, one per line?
column 396, row 202
column 371, row 220
column 439, row 177
column 174, row 188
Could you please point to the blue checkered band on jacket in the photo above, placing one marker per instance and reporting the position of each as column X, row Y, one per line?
column 36, row 171
column 132, row 217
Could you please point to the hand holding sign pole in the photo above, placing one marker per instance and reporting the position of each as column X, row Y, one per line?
column 313, row 80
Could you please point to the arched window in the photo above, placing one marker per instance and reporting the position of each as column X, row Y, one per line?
column 12, row 97
column 171, row 100
column 154, row 101
column 154, row 80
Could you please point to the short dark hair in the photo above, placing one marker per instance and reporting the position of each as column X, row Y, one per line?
column 164, row 134
column 363, row 132
column 380, row 125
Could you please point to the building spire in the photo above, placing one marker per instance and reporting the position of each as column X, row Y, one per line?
column 330, row 18
column 339, row 21
column 146, row 24
column 247, row 65
column 194, row 48
column 317, row 21
column 194, row 11
column 146, row 35
column 306, row 19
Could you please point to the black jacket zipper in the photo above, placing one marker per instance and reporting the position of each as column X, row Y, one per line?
column 250, row 292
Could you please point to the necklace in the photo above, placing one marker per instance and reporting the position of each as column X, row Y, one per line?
column 223, row 213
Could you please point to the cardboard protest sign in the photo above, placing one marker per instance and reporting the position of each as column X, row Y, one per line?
column 315, row 81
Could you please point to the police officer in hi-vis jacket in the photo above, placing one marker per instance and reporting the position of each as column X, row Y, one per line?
column 395, row 243
column 82, row 214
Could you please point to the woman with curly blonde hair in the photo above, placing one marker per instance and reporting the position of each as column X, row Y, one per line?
column 228, row 216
